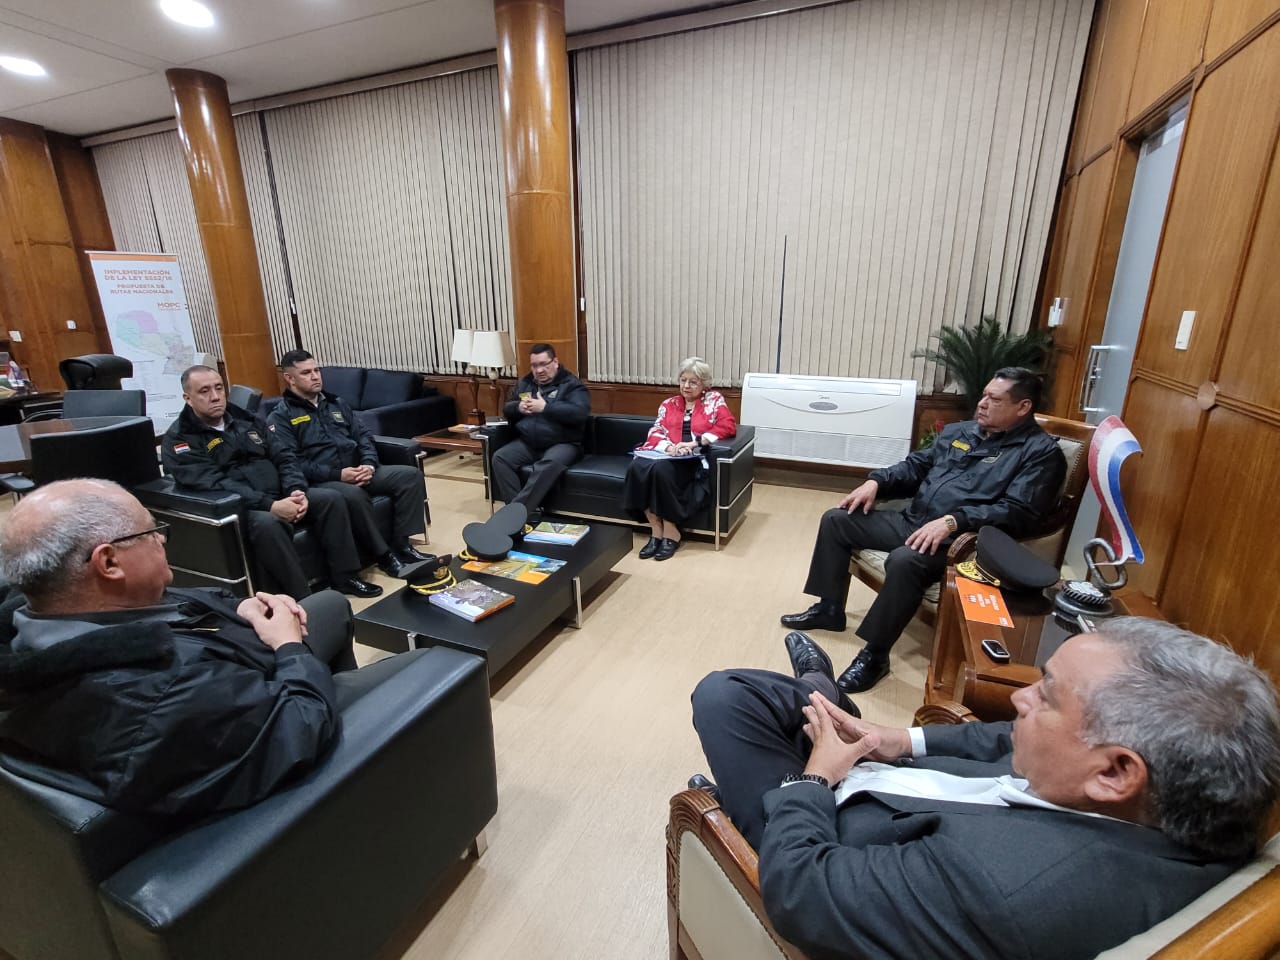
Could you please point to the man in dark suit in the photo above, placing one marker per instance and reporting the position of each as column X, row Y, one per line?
column 1139, row 772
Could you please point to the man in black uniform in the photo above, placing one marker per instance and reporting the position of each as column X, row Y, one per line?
column 336, row 452
column 214, row 446
column 548, row 408
column 148, row 699
column 999, row 469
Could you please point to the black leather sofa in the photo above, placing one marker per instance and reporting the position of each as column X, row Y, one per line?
column 206, row 546
column 591, row 489
column 330, row 867
column 390, row 403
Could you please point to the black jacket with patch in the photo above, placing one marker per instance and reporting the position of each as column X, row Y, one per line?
column 565, row 418
column 325, row 438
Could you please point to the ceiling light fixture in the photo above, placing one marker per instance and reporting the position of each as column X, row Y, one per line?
column 190, row 13
column 28, row 68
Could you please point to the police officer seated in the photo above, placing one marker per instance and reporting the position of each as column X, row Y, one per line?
column 336, row 452
column 215, row 446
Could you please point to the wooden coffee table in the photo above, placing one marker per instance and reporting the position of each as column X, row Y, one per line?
column 449, row 439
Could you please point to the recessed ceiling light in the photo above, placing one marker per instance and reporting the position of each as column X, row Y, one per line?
column 190, row 13
column 28, row 68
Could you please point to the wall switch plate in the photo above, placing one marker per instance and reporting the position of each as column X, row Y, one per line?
column 1183, row 337
column 1058, row 311
column 71, row 324
column 15, row 336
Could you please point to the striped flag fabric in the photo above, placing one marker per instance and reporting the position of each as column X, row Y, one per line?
column 1112, row 443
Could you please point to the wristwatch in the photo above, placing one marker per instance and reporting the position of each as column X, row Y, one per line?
column 811, row 777
column 950, row 521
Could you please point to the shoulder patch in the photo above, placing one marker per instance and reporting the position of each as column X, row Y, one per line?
column 213, row 443
column 337, row 415
column 305, row 418
column 271, row 427
column 181, row 447
column 255, row 437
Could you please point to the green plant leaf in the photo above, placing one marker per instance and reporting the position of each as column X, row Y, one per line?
column 971, row 355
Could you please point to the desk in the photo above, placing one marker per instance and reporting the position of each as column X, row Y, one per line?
column 15, row 438
column 11, row 404
column 959, row 671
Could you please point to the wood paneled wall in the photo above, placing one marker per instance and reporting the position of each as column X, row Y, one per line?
column 43, row 292
column 1208, row 417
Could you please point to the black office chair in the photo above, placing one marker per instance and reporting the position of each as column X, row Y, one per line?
column 247, row 399
column 104, row 403
column 95, row 371
column 124, row 452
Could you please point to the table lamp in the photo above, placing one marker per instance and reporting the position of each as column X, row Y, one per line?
column 491, row 352
column 462, row 344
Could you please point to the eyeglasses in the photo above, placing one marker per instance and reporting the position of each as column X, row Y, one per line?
column 536, row 365
column 160, row 529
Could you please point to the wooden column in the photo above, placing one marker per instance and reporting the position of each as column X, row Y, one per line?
column 208, row 139
column 533, row 76
column 44, row 295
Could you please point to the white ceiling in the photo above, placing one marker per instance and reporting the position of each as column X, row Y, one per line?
column 105, row 59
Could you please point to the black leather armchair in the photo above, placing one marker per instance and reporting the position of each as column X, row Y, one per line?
column 327, row 868
column 206, row 546
column 591, row 489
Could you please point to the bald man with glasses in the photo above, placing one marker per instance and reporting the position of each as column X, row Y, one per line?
column 148, row 699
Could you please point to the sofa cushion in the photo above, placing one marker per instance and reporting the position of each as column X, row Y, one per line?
column 596, row 475
column 385, row 387
column 346, row 382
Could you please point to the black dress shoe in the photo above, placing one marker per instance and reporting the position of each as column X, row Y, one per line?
column 865, row 672
column 700, row 782
column 409, row 554
column 391, row 565
column 355, row 587
column 650, row 548
column 823, row 615
column 666, row 549
column 807, row 657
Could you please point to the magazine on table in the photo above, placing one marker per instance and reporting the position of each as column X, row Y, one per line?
column 563, row 533
column 525, row 567
column 471, row 600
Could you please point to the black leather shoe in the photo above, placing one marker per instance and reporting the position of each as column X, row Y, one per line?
column 823, row 615
column 355, row 587
column 650, row 548
column 865, row 672
column 391, row 565
column 666, row 549
column 807, row 657
column 409, row 554
column 700, row 782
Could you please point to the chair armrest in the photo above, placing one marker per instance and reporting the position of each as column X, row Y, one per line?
column 945, row 711
column 397, row 451
column 164, row 494
column 492, row 439
column 1247, row 927
column 721, row 904
column 727, row 449
column 961, row 547
column 356, row 844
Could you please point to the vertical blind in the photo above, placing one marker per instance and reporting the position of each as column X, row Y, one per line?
column 816, row 192
column 391, row 204
column 144, row 184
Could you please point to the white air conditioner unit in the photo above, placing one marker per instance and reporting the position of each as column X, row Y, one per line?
column 845, row 420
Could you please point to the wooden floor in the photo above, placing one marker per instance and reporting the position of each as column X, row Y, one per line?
column 593, row 734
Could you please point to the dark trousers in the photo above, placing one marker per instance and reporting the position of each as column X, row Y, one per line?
column 330, row 630
column 547, row 466
column 751, row 728
column 403, row 484
column 271, row 541
column 907, row 573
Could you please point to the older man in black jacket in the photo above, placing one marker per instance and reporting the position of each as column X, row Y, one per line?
column 215, row 446
column 336, row 452
column 549, row 407
column 999, row 469
column 155, row 700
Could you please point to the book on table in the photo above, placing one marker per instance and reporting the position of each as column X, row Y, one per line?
column 564, row 533
column 471, row 600
column 525, row 567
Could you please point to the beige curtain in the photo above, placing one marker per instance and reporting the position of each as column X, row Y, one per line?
column 816, row 192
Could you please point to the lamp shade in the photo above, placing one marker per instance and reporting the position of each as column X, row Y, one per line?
column 491, row 348
column 462, row 340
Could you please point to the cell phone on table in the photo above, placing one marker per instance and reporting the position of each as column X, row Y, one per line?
column 996, row 650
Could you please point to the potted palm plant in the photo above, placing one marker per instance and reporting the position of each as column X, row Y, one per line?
column 971, row 355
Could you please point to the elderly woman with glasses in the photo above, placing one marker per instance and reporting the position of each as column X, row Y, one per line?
column 667, row 482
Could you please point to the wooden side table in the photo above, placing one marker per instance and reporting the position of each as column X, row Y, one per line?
column 959, row 670
column 450, row 439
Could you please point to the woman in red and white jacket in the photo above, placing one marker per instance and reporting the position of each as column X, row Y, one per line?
column 667, row 481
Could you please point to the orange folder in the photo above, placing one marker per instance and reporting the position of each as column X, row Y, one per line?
column 982, row 602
